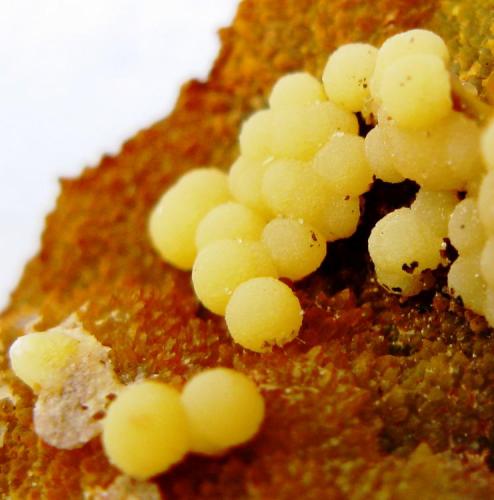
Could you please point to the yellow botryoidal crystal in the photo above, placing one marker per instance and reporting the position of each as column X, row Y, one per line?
column 442, row 157
column 296, row 90
column 224, row 409
column 343, row 163
column 465, row 230
column 416, row 41
column 298, row 133
column 174, row 220
column 416, row 91
column 347, row 75
column 465, row 280
column 146, row 429
column 263, row 312
column 485, row 203
column 297, row 248
column 223, row 265
column 434, row 208
column 229, row 221
column 401, row 246
column 487, row 145
column 256, row 136
column 379, row 157
column 245, row 181
column 39, row 359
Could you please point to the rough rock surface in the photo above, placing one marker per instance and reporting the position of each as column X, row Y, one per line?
column 377, row 397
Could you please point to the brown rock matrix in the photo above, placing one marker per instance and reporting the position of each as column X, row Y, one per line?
column 378, row 396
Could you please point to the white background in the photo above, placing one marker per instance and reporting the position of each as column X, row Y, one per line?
column 77, row 78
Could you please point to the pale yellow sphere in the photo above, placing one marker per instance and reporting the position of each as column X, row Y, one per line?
column 263, row 312
column 487, row 262
column 298, row 133
column 465, row 280
column 399, row 282
column 292, row 189
column 256, row 135
column 403, row 243
column 174, row 220
column 347, row 75
column 343, row 163
column 401, row 238
column 486, row 203
column 416, row 41
column 224, row 409
column 297, row 248
column 379, row 157
column 39, row 359
column 245, row 180
column 339, row 217
column 221, row 266
column 465, row 230
column 444, row 157
column 296, row 90
column 416, row 91
column 229, row 221
column 434, row 208
column 488, row 309
column 473, row 187
column 146, row 430
column 487, row 145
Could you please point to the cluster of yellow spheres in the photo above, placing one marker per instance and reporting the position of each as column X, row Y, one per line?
column 472, row 232
column 295, row 186
column 151, row 426
column 301, row 172
column 419, row 136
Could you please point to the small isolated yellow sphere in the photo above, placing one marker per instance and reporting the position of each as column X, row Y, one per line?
column 298, row 133
column 416, row 41
column 256, row 135
column 245, row 180
column 146, row 430
column 487, row 144
column 416, row 91
column 224, row 409
column 223, row 265
column 263, row 312
column 297, row 248
column 296, row 90
column 343, row 163
column 379, row 157
column 174, row 220
column 347, row 75
column 38, row 359
column 229, row 221
column 486, row 203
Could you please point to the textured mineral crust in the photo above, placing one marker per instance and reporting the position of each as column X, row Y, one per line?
column 379, row 397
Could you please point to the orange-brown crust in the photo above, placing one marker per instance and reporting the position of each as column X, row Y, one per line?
column 369, row 379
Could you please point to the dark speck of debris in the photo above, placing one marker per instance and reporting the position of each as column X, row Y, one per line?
column 409, row 268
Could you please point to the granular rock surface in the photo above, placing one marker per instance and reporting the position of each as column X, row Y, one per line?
column 377, row 398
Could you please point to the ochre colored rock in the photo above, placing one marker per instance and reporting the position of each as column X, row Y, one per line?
column 376, row 396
